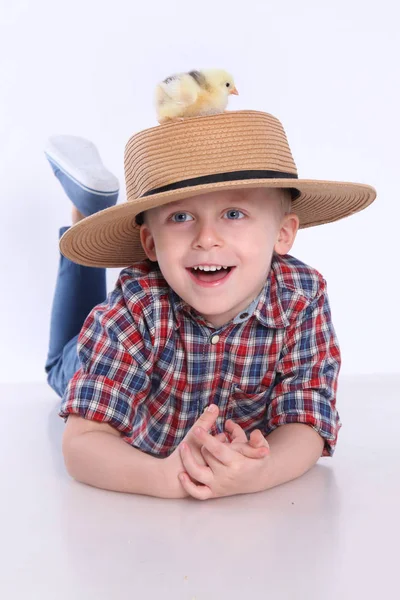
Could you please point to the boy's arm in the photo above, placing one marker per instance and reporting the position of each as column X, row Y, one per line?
column 102, row 399
column 306, row 385
column 294, row 449
column 94, row 453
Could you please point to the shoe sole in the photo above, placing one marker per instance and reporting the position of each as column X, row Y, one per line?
column 87, row 170
column 80, row 184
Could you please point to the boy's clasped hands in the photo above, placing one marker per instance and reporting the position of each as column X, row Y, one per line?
column 210, row 466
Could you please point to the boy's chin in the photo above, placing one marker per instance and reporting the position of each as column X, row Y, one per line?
column 215, row 314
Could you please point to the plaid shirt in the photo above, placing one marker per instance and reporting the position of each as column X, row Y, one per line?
column 150, row 364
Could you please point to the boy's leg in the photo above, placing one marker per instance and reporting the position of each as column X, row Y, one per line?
column 91, row 187
column 78, row 290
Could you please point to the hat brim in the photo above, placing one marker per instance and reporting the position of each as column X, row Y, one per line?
column 110, row 238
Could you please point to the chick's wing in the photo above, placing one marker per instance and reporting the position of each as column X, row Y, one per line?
column 179, row 89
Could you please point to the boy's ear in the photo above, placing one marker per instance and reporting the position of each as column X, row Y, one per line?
column 147, row 241
column 287, row 233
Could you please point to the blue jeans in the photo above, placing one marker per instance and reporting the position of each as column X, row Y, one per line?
column 78, row 290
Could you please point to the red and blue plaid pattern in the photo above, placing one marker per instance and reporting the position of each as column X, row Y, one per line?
column 149, row 367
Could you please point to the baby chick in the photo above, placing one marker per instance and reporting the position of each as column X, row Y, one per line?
column 193, row 94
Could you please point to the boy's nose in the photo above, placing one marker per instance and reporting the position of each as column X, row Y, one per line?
column 207, row 237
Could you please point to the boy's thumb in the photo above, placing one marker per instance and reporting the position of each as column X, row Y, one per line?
column 208, row 417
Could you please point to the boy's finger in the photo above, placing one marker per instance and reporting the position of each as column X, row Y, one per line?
column 200, row 473
column 235, row 431
column 221, row 437
column 220, row 451
column 208, row 418
column 205, row 421
column 257, row 440
column 251, row 452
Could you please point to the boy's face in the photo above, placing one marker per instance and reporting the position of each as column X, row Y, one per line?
column 236, row 228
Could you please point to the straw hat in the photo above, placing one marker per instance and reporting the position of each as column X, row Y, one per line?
column 234, row 149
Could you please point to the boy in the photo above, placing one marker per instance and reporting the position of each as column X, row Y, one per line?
column 252, row 340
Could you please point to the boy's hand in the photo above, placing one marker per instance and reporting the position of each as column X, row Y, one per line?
column 231, row 468
column 173, row 463
column 254, row 448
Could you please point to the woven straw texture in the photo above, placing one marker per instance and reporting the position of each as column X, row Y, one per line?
column 233, row 141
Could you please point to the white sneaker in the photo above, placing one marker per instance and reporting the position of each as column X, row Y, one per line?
column 80, row 160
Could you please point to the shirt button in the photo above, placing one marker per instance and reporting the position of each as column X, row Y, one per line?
column 244, row 315
column 215, row 339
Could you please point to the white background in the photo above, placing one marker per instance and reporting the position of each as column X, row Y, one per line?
column 329, row 73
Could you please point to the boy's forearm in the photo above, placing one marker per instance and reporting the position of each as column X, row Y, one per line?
column 106, row 461
column 294, row 449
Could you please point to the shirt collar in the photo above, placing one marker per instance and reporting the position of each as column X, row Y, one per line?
column 266, row 307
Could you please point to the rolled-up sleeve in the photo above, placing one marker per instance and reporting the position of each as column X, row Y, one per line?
column 307, row 375
column 115, row 351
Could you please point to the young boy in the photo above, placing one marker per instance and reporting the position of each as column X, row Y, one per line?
column 211, row 313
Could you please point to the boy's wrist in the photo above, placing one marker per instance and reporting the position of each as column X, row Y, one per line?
column 161, row 484
column 166, row 473
column 295, row 448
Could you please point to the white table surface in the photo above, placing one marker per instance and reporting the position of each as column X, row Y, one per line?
column 332, row 533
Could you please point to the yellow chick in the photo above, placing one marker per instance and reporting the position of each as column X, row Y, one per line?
column 193, row 94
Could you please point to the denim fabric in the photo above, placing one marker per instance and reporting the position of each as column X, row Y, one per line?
column 86, row 200
column 78, row 289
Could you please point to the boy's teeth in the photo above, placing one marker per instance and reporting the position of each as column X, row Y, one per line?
column 207, row 268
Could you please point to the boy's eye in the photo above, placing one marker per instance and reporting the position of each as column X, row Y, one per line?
column 234, row 212
column 179, row 215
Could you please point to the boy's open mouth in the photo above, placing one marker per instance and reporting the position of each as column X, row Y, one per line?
column 210, row 276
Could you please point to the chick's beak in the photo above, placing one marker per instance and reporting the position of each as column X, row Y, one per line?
column 234, row 91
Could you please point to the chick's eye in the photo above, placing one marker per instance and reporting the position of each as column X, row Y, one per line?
column 179, row 215
column 234, row 212
column 227, row 84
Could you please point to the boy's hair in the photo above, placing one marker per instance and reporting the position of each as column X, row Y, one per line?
column 286, row 205
column 286, row 201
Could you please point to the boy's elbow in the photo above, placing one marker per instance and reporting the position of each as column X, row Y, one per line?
column 72, row 446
